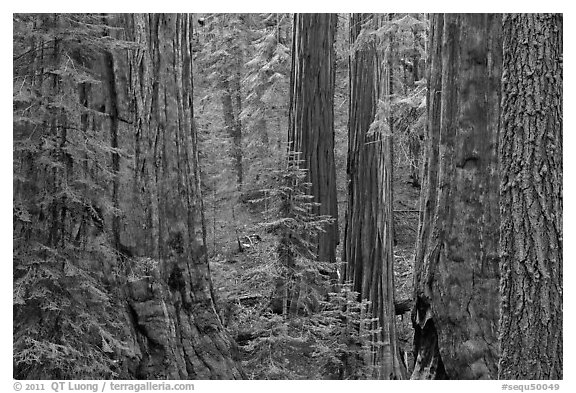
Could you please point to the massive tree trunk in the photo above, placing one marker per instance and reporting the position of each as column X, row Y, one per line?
column 144, row 69
column 83, row 312
column 456, row 265
column 310, row 148
column 531, row 198
column 177, row 324
column 368, row 247
column 311, row 128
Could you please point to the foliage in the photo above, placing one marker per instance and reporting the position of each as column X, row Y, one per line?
column 266, row 106
column 64, row 316
column 327, row 324
column 401, row 36
column 66, row 321
column 250, row 49
column 344, row 335
column 334, row 342
column 294, row 210
column 68, row 279
column 319, row 341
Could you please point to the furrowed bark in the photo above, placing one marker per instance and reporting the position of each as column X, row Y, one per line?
column 368, row 247
column 531, row 237
column 456, row 267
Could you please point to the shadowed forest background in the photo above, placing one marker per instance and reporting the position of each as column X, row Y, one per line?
column 287, row 196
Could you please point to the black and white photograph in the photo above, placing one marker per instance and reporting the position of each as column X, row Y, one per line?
column 287, row 196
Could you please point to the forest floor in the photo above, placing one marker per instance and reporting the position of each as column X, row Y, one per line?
column 268, row 348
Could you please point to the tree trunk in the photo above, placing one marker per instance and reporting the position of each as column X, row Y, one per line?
column 456, row 264
column 230, row 83
column 311, row 118
column 178, row 322
column 531, row 198
column 237, row 99
column 368, row 247
column 310, row 148
column 143, row 318
column 415, row 137
column 142, row 73
column 112, row 111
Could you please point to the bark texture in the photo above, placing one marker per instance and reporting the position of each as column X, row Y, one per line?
column 311, row 122
column 173, row 312
column 172, row 329
column 81, row 311
column 112, row 110
column 456, row 266
column 368, row 247
column 531, row 198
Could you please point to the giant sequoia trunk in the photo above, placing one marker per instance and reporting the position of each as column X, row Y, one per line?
column 144, row 64
column 311, row 128
column 177, row 324
column 368, row 247
column 531, row 198
column 310, row 148
column 85, row 313
column 456, row 266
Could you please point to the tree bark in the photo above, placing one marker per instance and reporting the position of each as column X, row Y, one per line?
column 142, row 74
column 310, row 148
column 180, row 322
column 368, row 247
column 415, row 137
column 531, row 237
column 311, row 117
column 134, row 319
column 456, row 266
column 112, row 110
